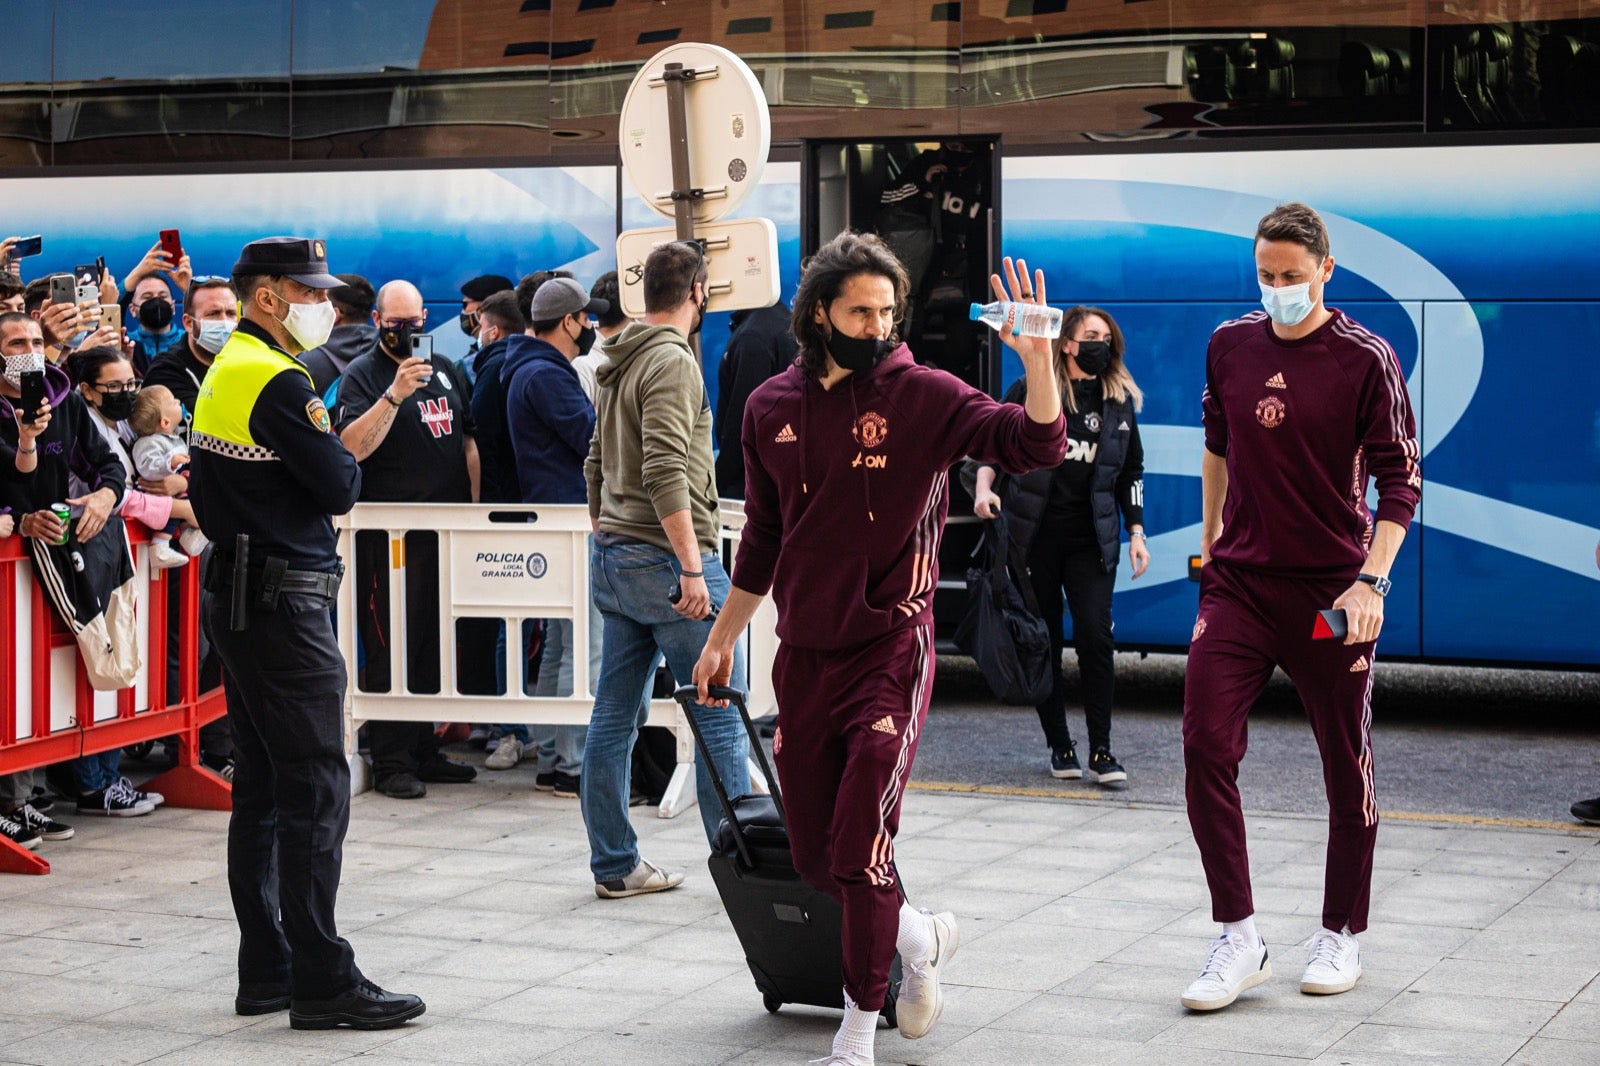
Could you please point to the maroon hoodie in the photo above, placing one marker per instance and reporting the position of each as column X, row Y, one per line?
column 846, row 492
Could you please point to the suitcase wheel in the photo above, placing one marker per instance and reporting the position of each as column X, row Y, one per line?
column 771, row 1002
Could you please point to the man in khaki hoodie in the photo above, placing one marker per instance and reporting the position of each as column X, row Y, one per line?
column 653, row 503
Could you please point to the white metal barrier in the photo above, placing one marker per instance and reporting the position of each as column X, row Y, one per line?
column 512, row 563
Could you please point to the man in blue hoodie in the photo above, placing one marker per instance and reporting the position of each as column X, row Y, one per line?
column 551, row 421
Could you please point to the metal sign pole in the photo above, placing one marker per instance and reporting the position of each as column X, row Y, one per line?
column 683, row 194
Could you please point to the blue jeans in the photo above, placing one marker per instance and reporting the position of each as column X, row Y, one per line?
column 95, row 773
column 631, row 583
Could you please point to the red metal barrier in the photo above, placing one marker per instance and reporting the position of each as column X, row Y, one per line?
column 29, row 634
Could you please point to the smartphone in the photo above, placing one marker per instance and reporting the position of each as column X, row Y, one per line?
column 422, row 347
column 1330, row 625
column 172, row 245
column 27, row 246
column 32, row 395
column 63, row 289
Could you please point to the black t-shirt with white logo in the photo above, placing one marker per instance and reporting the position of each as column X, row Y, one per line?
column 1073, row 484
column 424, row 457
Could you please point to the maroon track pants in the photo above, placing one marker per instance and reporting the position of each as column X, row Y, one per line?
column 1250, row 622
column 848, row 724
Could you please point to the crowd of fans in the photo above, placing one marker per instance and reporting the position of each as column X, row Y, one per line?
column 509, row 422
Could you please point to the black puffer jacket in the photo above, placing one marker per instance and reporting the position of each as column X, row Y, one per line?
column 1118, row 481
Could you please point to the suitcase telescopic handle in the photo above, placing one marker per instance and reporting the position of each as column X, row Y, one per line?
column 687, row 695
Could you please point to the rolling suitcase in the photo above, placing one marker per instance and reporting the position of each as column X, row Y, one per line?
column 789, row 930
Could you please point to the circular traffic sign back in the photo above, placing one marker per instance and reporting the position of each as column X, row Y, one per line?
column 729, row 130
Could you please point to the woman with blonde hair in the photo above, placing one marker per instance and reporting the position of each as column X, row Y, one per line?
column 1064, row 521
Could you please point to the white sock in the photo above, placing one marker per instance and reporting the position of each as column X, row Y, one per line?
column 915, row 939
column 856, row 1033
column 1245, row 930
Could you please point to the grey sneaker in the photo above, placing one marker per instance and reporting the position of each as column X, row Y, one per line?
column 506, row 754
column 646, row 877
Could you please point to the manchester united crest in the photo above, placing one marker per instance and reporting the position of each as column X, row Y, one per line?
column 870, row 429
column 1270, row 412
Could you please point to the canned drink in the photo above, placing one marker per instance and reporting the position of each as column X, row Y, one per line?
column 64, row 513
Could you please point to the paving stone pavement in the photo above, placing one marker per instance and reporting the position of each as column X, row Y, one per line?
column 1081, row 923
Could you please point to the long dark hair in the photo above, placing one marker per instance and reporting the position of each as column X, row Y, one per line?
column 822, row 279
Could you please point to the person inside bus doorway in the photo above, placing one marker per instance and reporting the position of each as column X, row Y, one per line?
column 1301, row 406
column 1064, row 522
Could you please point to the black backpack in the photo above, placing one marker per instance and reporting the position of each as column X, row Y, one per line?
column 1002, row 629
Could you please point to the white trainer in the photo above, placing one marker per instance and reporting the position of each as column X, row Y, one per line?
column 1231, row 967
column 505, row 755
column 921, row 997
column 163, row 556
column 1334, row 965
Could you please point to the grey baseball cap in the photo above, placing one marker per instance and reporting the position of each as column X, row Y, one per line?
column 560, row 297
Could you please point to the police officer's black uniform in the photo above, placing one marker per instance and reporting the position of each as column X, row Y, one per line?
column 266, row 466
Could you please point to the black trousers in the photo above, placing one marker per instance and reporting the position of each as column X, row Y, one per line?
column 1088, row 587
column 291, row 793
column 398, row 746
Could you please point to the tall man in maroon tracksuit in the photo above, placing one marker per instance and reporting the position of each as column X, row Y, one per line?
column 846, row 459
column 1301, row 406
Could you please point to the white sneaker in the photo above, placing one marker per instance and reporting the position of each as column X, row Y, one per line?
column 1231, row 968
column 192, row 541
column 921, row 997
column 1335, row 964
column 506, row 754
column 163, row 556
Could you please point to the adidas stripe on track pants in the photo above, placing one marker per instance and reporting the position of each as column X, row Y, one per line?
column 1248, row 623
column 848, row 724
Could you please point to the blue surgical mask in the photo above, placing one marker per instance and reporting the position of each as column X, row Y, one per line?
column 214, row 333
column 1288, row 304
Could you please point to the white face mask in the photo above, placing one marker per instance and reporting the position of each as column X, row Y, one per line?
column 309, row 324
column 17, row 365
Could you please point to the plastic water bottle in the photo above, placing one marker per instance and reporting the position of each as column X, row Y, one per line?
column 1028, row 320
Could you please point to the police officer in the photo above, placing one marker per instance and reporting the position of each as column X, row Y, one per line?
column 267, row 473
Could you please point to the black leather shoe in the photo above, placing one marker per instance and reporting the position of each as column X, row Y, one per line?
column 446, row 772
column 366, row 1006
column 264, row 997
column 402, row 786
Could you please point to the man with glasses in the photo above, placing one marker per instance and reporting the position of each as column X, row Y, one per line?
column 408, row 421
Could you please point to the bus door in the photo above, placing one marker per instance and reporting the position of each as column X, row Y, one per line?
column 937, row 205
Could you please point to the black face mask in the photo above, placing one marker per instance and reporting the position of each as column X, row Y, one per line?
column 155, row 314
column 117, row 406
column 397, row 341
column 469, row 324
column 1093, row 357
column 858, row 353
column 700, row 316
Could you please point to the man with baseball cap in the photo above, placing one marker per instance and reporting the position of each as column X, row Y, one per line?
column 266, row 477
column 550, row 421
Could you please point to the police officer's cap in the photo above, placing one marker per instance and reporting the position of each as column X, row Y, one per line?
column 301, row 259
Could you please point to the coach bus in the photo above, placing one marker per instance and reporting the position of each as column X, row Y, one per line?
column 1126, row 147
